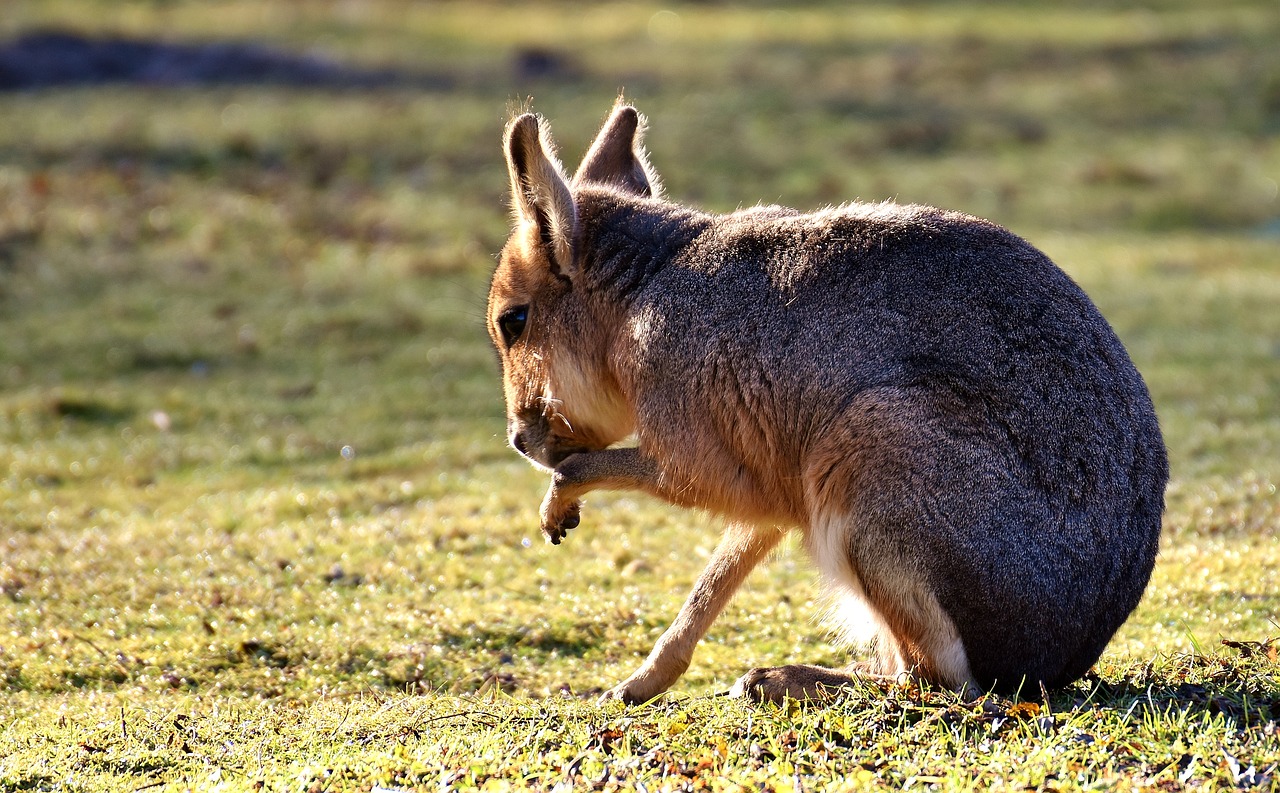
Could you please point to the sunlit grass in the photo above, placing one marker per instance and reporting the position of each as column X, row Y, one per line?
column 258, row 522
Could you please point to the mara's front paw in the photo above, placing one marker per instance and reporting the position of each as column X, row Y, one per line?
column 558, row 516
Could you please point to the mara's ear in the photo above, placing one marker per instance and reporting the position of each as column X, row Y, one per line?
column 617, row 157
column 539, row 192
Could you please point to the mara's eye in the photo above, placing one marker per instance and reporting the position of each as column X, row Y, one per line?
column 511, row 323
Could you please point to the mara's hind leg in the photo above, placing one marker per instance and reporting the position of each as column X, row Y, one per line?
column 854, row 621
column 808, row 683
column 913, row 635
column 800, row 682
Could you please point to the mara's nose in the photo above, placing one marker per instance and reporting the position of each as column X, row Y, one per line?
column 518, row 443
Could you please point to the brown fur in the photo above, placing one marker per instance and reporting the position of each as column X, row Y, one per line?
column 942, row 414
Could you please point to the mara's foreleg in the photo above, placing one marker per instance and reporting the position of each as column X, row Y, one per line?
column 579, row 474
column 739, row 551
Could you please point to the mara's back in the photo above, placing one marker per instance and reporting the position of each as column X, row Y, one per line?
column 992, row 427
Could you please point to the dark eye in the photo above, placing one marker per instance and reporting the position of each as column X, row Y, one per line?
column 511, row 323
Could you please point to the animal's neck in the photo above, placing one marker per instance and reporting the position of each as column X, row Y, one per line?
column 625, row 241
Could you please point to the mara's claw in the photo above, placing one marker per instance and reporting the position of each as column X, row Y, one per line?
column 557, row 519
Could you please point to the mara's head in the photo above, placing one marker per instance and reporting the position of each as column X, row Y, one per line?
column 551, row 329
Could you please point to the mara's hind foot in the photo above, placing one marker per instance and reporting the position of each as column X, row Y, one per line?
column 801, row 682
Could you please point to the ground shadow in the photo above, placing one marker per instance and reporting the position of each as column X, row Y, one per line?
column 57, row 58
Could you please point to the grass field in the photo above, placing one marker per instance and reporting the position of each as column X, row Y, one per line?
column 259, row 529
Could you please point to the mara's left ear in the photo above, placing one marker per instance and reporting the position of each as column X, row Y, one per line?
column 539, row 192
column 617, row 157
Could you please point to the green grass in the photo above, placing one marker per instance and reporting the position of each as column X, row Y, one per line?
column 259, row 528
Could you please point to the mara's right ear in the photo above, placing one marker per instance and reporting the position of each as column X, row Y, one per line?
column 539, row 191
column 617, row 157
